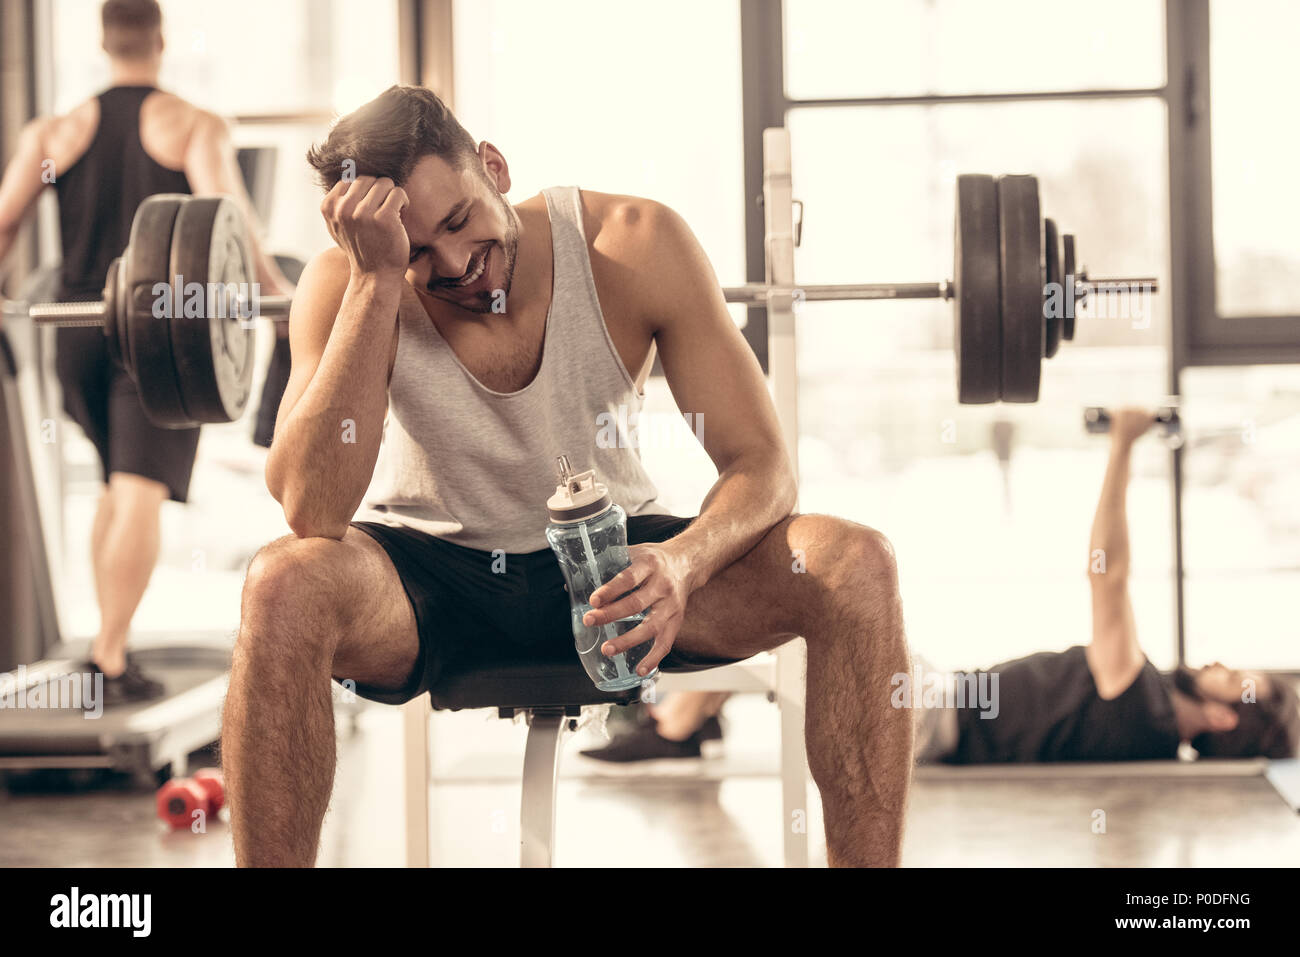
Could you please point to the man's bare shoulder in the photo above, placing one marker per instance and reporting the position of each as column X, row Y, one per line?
column 177, row 113
column 617, row 222
column 327, row 272
column 657, row 254
column 66, row 136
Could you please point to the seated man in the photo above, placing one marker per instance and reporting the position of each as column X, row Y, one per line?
column 494, row 336
column 1103, row 702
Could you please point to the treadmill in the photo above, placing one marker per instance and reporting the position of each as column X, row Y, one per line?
column 141, row 739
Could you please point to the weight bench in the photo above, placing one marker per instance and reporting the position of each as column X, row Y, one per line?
column 551, row 696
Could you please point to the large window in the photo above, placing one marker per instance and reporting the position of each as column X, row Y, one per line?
column 1254, row 84
column 1241, row 516
column 665, row 124
column 894, row 48
column 992, row 554
column 1231, row 146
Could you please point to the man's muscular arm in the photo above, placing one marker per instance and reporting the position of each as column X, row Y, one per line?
column 22, row 184
column 342, row 335
column 1114, row 656
column 712, row 374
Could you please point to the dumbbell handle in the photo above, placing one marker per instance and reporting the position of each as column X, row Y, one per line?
column 93, row 313
column 1097, row 420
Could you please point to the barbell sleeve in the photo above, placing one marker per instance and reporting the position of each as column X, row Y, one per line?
column 1140, row 285
column 68, row 313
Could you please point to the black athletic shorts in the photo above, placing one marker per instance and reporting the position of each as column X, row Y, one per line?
column 465, row 612
column 101, row 398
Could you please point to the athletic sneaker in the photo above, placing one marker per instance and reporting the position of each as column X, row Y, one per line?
column 130, row 687
column 645, row 743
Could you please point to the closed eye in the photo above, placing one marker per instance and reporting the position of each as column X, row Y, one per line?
column 417, row 252
column 457, row 227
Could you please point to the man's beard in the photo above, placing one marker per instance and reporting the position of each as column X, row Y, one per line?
column 489, row 300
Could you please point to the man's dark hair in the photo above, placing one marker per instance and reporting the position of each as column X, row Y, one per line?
column 1268, row 727
column 130, row 27
column 389, row 135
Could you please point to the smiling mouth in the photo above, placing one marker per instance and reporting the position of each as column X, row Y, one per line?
column 473, row 276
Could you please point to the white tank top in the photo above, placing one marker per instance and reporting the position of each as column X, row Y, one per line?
column 474, row 466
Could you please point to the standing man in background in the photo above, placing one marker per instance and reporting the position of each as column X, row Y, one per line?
column 104, row 158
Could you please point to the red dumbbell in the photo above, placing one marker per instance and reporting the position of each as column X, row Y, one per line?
column 179, row 798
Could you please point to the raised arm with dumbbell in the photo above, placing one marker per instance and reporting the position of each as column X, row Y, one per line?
column 1114, row 654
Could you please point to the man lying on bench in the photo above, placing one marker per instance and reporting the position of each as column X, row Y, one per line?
column 1100, row 702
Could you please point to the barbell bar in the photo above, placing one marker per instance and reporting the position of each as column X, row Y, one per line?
column 757, row 293
column 176, row 305
column 70, row 314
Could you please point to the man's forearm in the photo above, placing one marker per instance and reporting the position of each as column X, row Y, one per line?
column 325, row 452
column 1110, row 524
column 747, row 500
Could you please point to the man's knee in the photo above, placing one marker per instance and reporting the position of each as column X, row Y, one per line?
column 292, row 594
column 854, row 577
column 841, row 553
column 871, row 555
column 131, row 493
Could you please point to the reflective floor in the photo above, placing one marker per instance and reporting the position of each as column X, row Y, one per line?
column 721, row 811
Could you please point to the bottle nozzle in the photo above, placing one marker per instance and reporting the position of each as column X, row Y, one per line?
column 578, row 495
column 564, row 469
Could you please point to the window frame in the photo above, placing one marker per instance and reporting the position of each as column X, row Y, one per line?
column 1202, row 335
column 1198, row 335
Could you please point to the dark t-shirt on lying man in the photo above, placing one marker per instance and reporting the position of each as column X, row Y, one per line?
column 1048, row 709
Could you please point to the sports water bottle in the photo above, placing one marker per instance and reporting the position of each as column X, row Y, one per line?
column 588, row 534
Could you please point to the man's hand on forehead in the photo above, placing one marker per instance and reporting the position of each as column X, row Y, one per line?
column 364, row 215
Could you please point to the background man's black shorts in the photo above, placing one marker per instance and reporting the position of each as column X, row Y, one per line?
column 101, row 398
column 466, row 612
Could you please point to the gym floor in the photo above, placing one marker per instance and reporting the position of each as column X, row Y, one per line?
column 721, row 811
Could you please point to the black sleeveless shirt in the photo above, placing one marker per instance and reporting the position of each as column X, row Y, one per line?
column 99, row 193
column 1049, row 710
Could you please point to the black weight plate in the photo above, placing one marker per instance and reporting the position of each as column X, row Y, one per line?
column 977, row 328
column 1071, row 304
column 1020, row 229
column 115, row 298
column 147, row 345
column 1053, row 291
column 214, row 352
